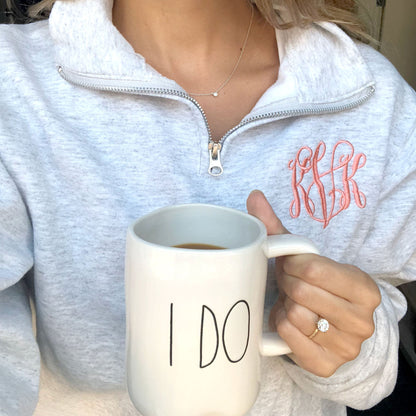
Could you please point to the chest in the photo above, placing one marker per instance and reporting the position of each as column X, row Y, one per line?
column 134, row 154
column 225, row 111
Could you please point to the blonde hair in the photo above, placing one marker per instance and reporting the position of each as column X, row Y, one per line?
column 303, row 12
column 300, row 12
column 41, row 10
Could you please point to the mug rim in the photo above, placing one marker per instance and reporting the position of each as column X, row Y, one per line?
column 261, row 235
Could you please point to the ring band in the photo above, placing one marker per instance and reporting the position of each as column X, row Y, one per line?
column 313, row 333
column 321, row 326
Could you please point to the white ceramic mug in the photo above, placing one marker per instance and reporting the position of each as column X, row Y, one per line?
column 195, row 317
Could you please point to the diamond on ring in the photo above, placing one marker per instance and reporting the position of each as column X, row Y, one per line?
column 322, row 325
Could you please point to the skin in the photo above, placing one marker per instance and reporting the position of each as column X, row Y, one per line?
column 313, row 286
column 199, row 57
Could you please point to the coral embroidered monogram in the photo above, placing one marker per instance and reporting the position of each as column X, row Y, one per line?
column 332, row 188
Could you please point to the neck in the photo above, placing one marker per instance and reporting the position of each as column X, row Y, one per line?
column 170, row 32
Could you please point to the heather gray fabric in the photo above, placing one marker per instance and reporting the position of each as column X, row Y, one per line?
column 332, row 145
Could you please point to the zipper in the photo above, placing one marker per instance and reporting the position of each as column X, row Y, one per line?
column 215, row 167
column 104, row 84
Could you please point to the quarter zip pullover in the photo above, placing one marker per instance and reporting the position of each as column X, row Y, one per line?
column 92, row 137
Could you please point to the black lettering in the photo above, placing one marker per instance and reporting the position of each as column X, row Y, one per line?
column 171, row 336
column 214, row 320
column 236, row 360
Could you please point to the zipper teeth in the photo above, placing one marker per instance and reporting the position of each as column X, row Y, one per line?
column 141, row 90
column 166, row 91
column 303, row 112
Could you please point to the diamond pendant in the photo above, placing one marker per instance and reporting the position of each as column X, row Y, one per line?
column 215, row 94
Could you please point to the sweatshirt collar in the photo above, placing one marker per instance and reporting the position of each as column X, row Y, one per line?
column 87, row 43
column 318, row 63
column 325, row 63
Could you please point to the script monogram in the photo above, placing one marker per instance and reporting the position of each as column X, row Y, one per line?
column 333, row 188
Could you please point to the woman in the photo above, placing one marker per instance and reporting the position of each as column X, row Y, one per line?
column 116, row 109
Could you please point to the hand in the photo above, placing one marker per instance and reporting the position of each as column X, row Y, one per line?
column 311, row 287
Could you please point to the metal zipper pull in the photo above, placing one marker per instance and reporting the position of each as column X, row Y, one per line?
column 215, row 166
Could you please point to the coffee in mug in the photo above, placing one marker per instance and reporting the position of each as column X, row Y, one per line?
column 195, row 315
column 199, row 246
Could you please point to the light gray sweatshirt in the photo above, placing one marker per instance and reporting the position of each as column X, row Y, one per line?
column 91, row 137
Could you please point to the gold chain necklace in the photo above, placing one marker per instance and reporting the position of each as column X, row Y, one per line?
column 216, row 92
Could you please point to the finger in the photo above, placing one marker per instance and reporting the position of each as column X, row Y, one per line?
column 299, row 316
column 258, row 206
column 305, row 352
column 344, row 345
column 342, row 280
column 341, row 313
column 306, row 322
column 272, row 317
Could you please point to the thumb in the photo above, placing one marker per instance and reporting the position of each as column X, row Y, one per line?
column 259, row 207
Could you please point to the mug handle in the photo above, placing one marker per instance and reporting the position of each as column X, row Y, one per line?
column 276, row 246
